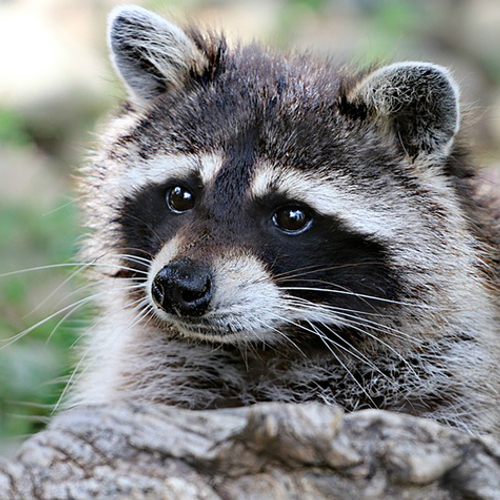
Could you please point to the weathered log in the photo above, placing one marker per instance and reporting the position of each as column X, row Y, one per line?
column 268, row 451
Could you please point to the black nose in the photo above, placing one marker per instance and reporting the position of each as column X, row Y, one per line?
column 183, row 287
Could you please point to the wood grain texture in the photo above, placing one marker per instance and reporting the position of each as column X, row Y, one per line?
column 268, row 451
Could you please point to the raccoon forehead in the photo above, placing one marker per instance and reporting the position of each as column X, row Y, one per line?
column 161, row 168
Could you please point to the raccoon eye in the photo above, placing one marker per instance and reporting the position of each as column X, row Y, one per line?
column 179, row 199
column 292, row 219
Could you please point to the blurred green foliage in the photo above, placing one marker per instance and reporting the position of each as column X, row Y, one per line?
column 32, row 368
column 12, row 129
column 37, row 228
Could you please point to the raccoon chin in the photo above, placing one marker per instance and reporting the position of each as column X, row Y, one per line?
column 223, row 329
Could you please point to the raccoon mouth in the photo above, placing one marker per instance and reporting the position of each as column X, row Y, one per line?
column 205, row 329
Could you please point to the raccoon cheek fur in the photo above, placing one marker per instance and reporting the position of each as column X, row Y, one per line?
column 287, row 230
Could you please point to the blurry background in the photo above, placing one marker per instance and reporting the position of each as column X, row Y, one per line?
column 56, row 85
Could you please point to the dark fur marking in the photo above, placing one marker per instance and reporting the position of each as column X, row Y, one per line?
column 215, row 50
column 328, row 256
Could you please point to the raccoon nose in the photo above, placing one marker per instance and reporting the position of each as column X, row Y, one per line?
column 183, row 288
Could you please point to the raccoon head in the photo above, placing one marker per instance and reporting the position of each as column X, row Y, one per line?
column 268, row 197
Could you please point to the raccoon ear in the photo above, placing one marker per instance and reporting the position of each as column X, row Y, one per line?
column 417, row 102
column 149, row 53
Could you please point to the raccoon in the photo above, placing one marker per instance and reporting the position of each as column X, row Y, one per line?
column 272, row 227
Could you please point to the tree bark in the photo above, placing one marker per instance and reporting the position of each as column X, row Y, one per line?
column 267, row 451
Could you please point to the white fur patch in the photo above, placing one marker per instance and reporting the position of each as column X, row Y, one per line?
column 245, row 299
column 209, row 167
column 160, row 169
column 337, row 199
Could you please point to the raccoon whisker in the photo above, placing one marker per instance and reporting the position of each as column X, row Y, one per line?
column 127, row 287
column 276, row 330
column 68, row 264
column 42, row 268
column 293, row 275
column 285, row 274
column 110, row 341
column 326, row 341
column 64, row 205
column 325, row 309
column 94, row 285
column 67, row 315
column 122, row 267
column 353, row 315
column 95, row 263
column 136, row 303
column 357, row 326
column 76, row 305
column 386, row 345
column 59, row 323
column 139, row 280
column 245, row 350
column 130, row 257
column 348, row 291
column 329, row 283
column 148, row 310
column 358, row 356
column 149, row 258
column 51, row 294
column 139, row 268
column 134, row 258
column 361, row 295
column 73, row 307
column 125, row 250
column 141, row 264
column 146, row 224
column 124, row 272
column 379, row 327
column 300, row 301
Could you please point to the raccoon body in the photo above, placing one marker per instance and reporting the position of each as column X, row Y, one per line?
column 267, row 227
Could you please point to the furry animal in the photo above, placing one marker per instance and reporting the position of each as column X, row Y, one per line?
column 269, row 227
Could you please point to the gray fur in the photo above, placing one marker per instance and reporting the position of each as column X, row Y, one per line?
column 377, row 153
column 419, row 101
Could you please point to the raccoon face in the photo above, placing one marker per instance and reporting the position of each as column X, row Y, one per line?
column 270, row 198
column 234, row 266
